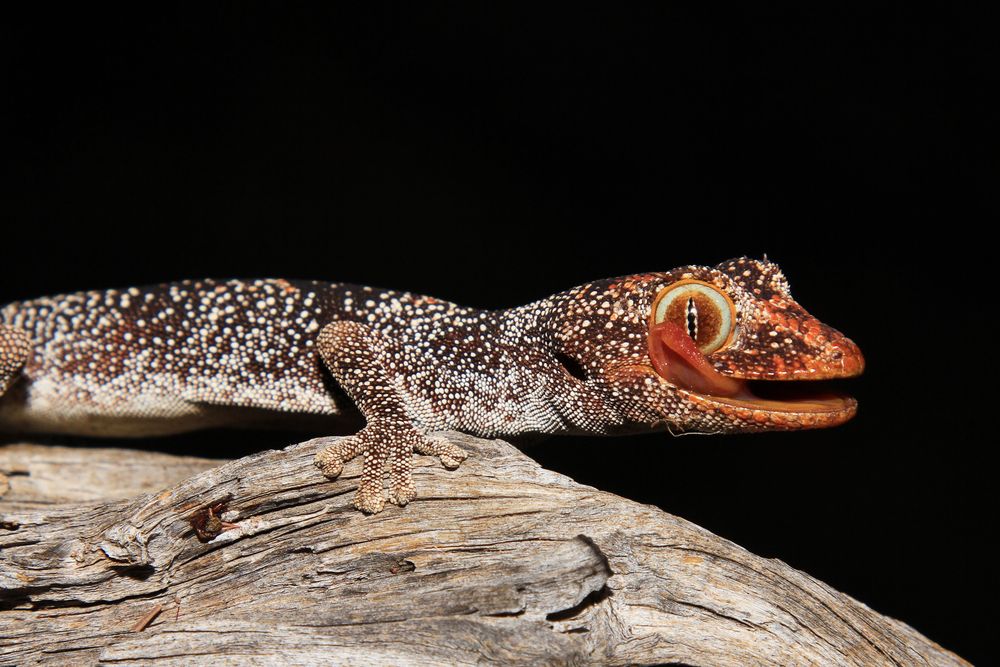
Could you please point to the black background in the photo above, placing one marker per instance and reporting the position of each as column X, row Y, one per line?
column 491, row 157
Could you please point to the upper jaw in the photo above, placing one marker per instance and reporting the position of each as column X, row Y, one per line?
column 838, row 358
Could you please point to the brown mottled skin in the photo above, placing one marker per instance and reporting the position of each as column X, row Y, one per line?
column 188, row 355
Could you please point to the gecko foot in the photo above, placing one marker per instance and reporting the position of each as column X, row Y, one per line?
column 384, row 447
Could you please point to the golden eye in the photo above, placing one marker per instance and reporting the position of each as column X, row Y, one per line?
column 701, row 309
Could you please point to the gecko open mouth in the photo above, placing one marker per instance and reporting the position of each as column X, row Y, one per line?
column 677, row 359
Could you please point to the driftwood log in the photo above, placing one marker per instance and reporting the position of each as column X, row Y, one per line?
column 121, row 557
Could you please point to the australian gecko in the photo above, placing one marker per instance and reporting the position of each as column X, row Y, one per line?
column 679, row 350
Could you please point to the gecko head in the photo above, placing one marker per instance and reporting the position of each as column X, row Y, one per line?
column 712, row 349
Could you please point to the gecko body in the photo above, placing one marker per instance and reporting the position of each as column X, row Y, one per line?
column 675, row 350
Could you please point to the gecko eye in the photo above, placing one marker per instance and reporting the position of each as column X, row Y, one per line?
column 705, row 312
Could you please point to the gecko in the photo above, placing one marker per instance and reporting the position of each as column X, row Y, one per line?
column 693, row 349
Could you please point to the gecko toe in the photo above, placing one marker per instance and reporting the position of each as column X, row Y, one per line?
column 402, row 493
column 370, row 499
column 329, row 462
column 451, row 455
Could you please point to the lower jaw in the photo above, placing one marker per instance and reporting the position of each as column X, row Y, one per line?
column 756, row 412
column 796, row 396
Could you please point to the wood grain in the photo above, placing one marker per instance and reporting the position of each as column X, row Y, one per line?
column 500, row 562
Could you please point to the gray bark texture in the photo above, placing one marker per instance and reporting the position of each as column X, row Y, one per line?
column 124, row 557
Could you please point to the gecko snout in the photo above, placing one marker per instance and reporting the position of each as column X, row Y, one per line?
column 846, row 358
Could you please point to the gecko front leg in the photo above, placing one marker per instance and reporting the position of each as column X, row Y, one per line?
column 362, row 360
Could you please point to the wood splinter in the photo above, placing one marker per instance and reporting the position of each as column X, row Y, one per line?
column 148, row 618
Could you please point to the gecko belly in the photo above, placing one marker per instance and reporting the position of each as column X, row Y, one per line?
column 44, row 405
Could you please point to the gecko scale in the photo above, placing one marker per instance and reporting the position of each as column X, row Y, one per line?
column 680, row 350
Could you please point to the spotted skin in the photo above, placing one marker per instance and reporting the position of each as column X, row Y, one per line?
column 188, row 355
column 14, row 351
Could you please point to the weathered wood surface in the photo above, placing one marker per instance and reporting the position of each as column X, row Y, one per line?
column 42, row 475
column 500, row 562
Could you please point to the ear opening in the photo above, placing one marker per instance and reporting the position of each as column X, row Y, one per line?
column 571, row 366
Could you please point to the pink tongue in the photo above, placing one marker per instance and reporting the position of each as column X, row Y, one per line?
column 677, row 359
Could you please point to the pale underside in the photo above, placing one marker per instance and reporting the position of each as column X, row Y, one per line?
column 167, row 406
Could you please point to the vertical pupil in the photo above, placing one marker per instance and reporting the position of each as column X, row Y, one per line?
column 692, row 319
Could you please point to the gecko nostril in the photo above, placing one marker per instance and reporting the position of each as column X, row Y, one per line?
column 847, row 355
